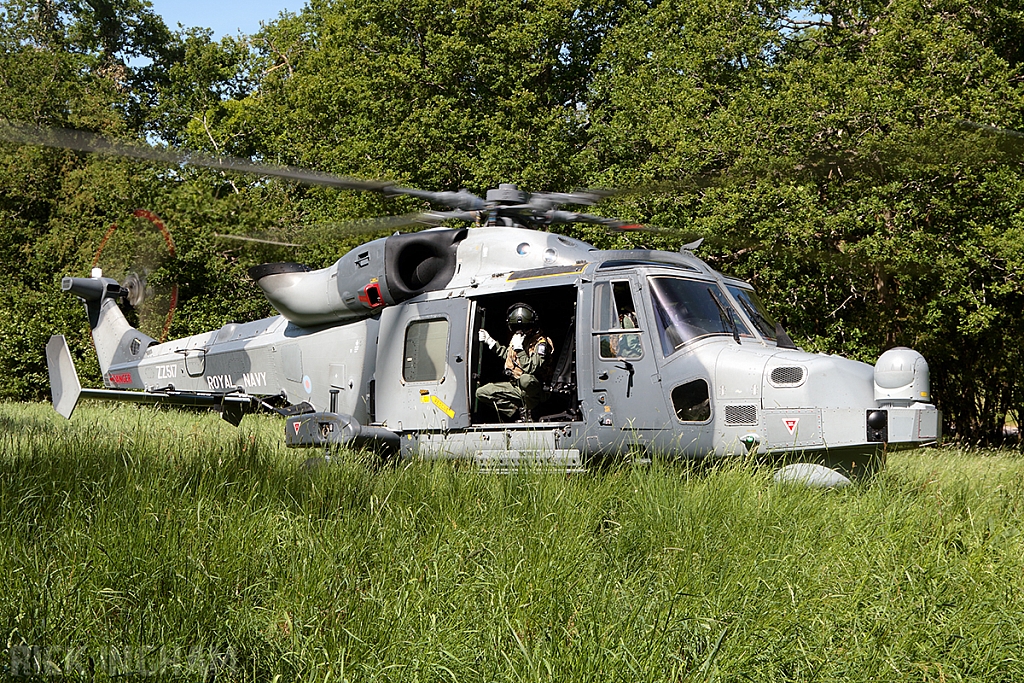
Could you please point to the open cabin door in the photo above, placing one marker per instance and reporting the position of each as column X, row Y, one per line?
column 421, row 376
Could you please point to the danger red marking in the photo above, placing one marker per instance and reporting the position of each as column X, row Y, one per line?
column 296, row 425
column 791, row 423
column 121, row 378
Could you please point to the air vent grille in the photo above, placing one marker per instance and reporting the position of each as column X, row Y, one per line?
column 741, row 415
column 787, row 375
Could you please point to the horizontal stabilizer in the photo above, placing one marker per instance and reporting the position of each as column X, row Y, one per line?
column 64, row 385
column 231, row 406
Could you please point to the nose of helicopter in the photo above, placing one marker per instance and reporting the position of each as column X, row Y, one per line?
column 827, row 409
column 777, row 379
column 795, row 379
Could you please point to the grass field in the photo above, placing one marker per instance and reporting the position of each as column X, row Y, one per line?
column 138, row 542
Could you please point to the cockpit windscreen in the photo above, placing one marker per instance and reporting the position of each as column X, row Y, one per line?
column 755, row 310
column 689, row 309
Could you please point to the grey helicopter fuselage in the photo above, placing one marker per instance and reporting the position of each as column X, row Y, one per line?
column 655, row 353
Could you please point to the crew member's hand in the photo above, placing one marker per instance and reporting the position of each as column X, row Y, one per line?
column 517, row 341
column 486, row 338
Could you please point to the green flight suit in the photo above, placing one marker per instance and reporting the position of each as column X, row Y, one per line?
column 524, row 388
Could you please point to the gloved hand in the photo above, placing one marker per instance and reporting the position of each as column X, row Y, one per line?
column 517, row 341
column 486, row 338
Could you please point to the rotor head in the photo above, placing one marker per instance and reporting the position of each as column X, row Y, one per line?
column 506, row 194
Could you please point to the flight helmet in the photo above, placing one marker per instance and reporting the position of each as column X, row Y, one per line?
column 521, row 317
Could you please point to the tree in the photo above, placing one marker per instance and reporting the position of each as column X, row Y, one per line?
column 844, row 182
column 66, row 65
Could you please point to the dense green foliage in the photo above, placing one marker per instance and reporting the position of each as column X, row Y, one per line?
column 133, row 531
column 820, row 148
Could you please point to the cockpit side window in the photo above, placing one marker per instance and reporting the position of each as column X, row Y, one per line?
column 692, row 401
column 604, row 307
column 614, row 310
column 755, row 310
column 685, row 310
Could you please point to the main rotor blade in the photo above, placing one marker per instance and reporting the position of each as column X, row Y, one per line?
column 463, row 199
column 420, row 218
column 613, row 223
column 369, row 225
column 244, row 238
column 1011, row 141
column 82, row 141
column 584, row 197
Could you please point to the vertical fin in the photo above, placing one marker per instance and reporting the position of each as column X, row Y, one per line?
column 116, row 341
column 112, row 336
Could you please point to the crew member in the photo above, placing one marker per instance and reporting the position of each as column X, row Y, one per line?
column 623, row 345
column 526, row 355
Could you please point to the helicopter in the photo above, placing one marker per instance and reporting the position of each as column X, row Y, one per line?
column 654, row 353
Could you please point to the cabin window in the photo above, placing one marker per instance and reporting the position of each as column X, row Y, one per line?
column 692, row 401
column 755, row 310
column 614, row 310
column 685, row 310
column 426, row 350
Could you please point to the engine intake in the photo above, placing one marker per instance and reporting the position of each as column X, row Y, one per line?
column 383, row 272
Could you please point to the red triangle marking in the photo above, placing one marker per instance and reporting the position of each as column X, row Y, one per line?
column 296, row 425
column 791, row 423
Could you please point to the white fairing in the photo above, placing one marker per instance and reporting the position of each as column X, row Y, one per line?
column 901, row 378
column 812, row 475
column 489, row 251
column 307, row 298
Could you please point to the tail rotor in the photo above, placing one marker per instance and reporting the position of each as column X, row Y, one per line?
column 138, row 254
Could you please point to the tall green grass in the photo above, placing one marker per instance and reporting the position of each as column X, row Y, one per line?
column 130, row 528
